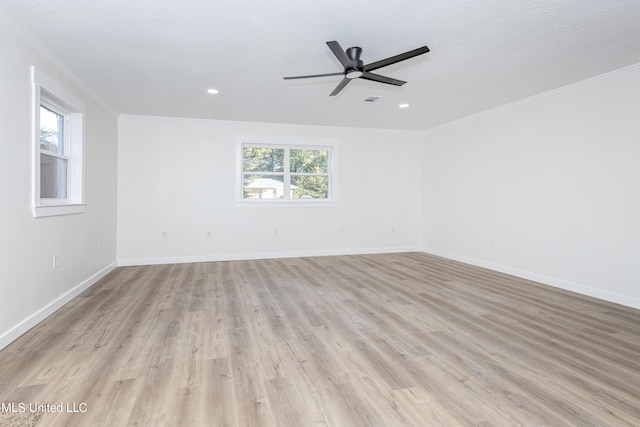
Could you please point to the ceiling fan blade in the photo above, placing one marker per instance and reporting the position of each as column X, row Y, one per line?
column 396, row 58
column 339, row 52
column 382, row 79
column 340, row 86
column 314, row 75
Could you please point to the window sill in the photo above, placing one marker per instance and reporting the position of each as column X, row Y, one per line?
column 265, row 203
column 55, row 210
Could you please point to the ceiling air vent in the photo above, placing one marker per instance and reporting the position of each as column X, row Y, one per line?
column 372, row 98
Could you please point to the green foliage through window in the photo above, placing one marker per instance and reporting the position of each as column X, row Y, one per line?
column 51, row 131
column 310, row 187
column 308, row 161
column 262, row 159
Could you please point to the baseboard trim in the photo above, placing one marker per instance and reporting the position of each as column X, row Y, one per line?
column 126, row 262
column 621, row 299
column 12, row 334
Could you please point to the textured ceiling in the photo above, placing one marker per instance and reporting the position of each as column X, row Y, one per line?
column 158, row 57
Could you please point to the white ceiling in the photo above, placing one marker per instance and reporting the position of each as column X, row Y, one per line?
column 158, row 57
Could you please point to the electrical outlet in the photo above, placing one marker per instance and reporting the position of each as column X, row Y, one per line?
column 56, row 262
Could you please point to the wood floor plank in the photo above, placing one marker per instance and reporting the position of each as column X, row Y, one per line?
column 403, row 339
column 218, row 400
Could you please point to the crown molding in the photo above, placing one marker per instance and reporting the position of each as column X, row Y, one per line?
column 14, row 27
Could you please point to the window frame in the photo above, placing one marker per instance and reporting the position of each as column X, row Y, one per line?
column 329, row 146
column 54, row 97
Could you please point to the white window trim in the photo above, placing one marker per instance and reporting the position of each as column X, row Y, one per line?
column 74, row 203
column 288, row 142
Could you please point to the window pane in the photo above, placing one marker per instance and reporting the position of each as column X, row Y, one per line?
column 262, row 159
column 309, row 187
column 53, row 177
column 51, row 131
column 309, row 161
column 263, row 187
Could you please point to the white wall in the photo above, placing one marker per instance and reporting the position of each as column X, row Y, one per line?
column 553, row 182
column 30, row 288
column 178, row 176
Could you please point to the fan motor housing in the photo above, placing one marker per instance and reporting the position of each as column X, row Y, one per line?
column 354, row 55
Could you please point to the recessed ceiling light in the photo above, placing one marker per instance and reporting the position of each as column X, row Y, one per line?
column 403, row 106
column 212, row 91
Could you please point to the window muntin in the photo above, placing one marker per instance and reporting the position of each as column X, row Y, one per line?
column 286, row 173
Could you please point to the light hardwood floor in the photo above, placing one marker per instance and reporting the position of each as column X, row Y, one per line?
column 366, row 340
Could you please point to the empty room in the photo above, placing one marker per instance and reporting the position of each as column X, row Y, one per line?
column 283, row 213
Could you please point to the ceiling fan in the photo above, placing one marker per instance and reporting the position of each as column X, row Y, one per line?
column 354, row 68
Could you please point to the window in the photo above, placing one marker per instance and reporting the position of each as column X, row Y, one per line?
column 54, row 148
column 58, row 148
column 286, row 173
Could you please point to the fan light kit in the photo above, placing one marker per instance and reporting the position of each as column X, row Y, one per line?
column 213, row 91
column 354, row 68
column 403, row 106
